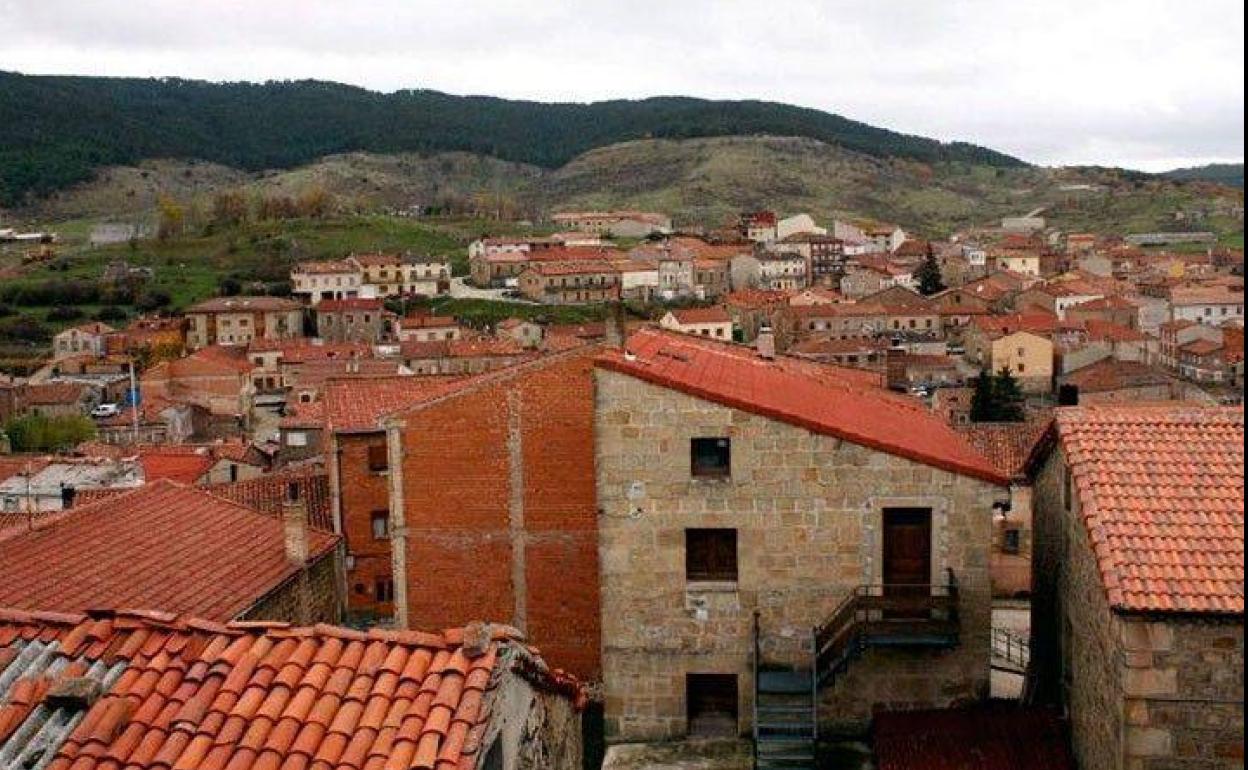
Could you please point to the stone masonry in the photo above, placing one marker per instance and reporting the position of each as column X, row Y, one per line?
column 807, row 509
column 1144, row 692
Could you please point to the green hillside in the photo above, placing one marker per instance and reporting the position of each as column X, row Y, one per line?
column 58, row 130
column 1230, row 174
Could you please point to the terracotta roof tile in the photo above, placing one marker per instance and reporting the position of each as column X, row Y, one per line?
column 186, row 465
column 161, row 545
column 267, row 493
column 353, row 406
column 184, row 693
column 1008, row 445
column 1161, row 492
column 819, row 398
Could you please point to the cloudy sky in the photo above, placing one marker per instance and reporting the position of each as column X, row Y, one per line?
column 1149, row 84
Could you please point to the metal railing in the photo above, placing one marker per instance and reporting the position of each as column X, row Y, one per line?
column 757, row 662
column 1011, row 647
column 893, row 612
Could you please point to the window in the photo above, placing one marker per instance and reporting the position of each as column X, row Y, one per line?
column 710, row 457
column 1012, row 540
column 381, row 525
column 296, row 438
column 711, row 700
column 383, row 589
column 711, row 555
column 378, row 458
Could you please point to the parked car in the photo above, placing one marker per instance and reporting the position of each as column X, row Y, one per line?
column 106, row 410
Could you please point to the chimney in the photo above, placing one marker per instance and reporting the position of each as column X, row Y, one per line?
column 765, row 342
column 295, row 526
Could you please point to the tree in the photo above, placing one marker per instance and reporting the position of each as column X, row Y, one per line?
column 982, row 406
column 40, row 433
column 172, row 218
column 930, row 279
column 229, row 207
column 1008, row 396
column 997, row 398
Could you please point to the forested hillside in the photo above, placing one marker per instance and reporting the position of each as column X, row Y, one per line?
column 1230, row 174
column 56, row 130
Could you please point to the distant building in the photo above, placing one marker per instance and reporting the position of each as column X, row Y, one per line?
column 352, row 320
column 239, row 320
column 621, row 224
column 713, row 322
column 87, row 338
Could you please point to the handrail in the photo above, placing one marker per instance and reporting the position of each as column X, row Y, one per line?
column 935, row 606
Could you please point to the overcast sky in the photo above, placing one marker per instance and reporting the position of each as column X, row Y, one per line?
column 1150, row 84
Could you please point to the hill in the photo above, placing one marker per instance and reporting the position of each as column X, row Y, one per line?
column 698, row 181
column 1230, row 174
column 58, row 130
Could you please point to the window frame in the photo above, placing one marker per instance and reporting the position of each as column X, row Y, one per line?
column 374, row 452
column 700, row 470
column 700, row 544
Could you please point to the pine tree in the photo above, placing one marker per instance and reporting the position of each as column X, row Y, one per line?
column 983, row 407
column 930, row 279
column 1007, row 397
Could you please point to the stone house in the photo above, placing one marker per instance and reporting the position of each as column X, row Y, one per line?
column 239, row 320
column 732, row 487
column 571, row 283
column 527, row 333
column 317, row 281
column 352, row 320
column 713, row 322
column 400, row 275
column 85, row 338
column 711, row 278
column 1138, row 607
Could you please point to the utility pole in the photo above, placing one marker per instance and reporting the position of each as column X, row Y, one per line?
column 134, row 403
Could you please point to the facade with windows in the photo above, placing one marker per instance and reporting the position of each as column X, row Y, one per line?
column 714, row 507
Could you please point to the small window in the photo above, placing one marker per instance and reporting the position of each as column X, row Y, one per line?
column 1011, row 542
column 378, row 458
column 381, row 525
column 711, row 700
column 383, row 589
column 711, row 555
column 711, row 457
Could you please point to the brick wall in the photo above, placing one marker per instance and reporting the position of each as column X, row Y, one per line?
column 499, row 508
column 363, row 492
column 313, row 596
column 807, row 509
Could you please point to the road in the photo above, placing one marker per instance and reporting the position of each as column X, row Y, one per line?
column 461, row 290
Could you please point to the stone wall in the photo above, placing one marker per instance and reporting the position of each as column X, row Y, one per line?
column 807, row 509
column 313, row 596
column 1184, row 688
column 1162, row 693
column 1076, row 648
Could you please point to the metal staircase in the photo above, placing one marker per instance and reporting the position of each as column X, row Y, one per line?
column 786, row 699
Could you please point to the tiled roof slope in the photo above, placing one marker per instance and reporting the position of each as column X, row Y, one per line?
column 355, row 406
column 267, row 494
column 191, row 694
column 1008, row 445
column 161, row 545
column 1161, row 492
column 818, row 398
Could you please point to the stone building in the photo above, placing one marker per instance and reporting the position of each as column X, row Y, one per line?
column 239, row 320
column 352, row 320
column 731, row 484
column 1138, row 607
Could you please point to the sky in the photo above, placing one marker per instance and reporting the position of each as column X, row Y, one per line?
column 1147, row 84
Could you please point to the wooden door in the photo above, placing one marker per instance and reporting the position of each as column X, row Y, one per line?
column 907, row 557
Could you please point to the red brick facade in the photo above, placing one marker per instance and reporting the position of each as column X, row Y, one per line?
column 362, row 493
column 499, row 507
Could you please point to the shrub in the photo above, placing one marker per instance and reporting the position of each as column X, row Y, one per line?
column 40, row 433
column 111, row 313
column 63, row 313
column 152, row 300
column 23, row 328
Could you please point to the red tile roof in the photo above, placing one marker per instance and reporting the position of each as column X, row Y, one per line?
column 1036, row 323
column 1108, row 331
column 181, row 692
column 822, row 399
column 355, row 406
column 702, row 315
column 161, row 545
column 1008, row 445
column 185, row 465
column 267, row 494
column 1161, row 492
column 1111, row 374
column 350, row 303
column 991, row 737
